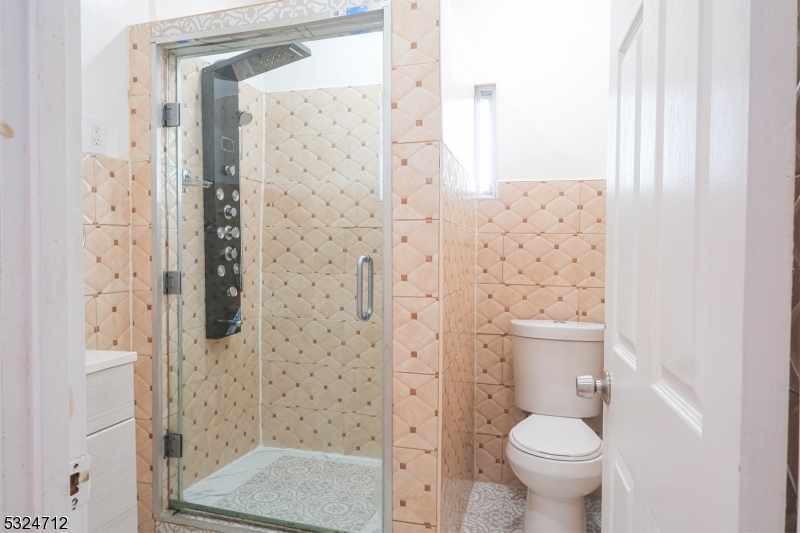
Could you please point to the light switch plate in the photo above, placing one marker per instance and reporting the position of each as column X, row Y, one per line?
column 94, row 135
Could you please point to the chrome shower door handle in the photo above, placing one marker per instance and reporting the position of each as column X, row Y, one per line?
column 360, row 313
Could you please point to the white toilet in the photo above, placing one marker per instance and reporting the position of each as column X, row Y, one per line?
column 553, row 452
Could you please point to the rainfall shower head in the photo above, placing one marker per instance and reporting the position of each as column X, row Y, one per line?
column 259, row 61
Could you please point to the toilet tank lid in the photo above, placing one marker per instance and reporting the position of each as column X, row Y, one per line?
column 558, row 330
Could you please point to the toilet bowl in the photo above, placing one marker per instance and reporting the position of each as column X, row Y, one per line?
column 552, row 451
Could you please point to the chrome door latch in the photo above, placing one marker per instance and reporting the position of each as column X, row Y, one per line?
column 587, row 387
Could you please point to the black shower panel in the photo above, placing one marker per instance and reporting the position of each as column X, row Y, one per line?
column 222, row 201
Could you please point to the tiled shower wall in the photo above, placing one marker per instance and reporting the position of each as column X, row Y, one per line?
column 220, row 384
column 458, row 342
column 321, row 367
column 541, row 255
column 116, row 217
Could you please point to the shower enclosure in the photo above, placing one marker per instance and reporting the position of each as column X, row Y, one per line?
column 273, row 329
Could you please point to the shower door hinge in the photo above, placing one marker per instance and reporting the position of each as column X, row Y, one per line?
column 172, row 282
column 171, row 114
column 173, row 445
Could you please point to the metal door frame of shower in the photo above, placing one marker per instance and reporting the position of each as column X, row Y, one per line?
column 160, row 423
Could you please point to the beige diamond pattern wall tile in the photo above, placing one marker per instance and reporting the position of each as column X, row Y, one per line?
column 322, row 296
column 489, row 458
column 316, row 204
column 592, row 305
column 362, row 241
column 251, row 192
column 415, row 32
column 193, row 258
column 565, row 260
column 192, row 137
column 141, row 208
column 366, row 397
column 363, row 435
column 112, row 191
column 498, row 304
column 141, row 257
column 90, row 320
column 305, row 250
column 533, row 207
column 359, row 344
column 488, row 209
column 309, row 386
column 489, row 359
column 495, row 410
column 415, row 325
column 364, row 152
column 114, row 321
column 416, row 103
column 593, row 206
column 106, row 259
column 416, row 258
column 139, row 61
column 489, row 258
column 415, row 398
column 140, row 127
column 144, row 451
column 369, row 211
column 508, row 361
column 415, row 181
column 300, row 340
column 303, row 158
column 291, row 427
column 142, row 322
column 143, row 387
column 414, row 485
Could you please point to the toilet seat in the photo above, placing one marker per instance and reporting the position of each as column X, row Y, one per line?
column 556, row 438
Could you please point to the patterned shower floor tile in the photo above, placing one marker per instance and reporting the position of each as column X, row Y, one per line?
column 497, row 508
column 328, row 490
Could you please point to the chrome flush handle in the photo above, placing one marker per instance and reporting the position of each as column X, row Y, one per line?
column 587, row 387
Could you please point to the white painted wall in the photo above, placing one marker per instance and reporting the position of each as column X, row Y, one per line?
column 338, row 62
column 549, row 59
column 104, row 67
column 170, row 9
column 458, row 89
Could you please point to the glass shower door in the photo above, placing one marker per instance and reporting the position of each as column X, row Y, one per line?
column 280, row 417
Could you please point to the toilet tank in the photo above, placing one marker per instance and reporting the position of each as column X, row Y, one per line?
column 548, row 356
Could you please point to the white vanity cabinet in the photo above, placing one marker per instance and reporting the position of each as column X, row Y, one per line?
column 111, row 441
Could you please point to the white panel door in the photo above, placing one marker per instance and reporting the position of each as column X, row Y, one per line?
column 697, row 305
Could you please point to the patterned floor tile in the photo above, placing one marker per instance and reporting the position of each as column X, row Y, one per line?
column 318, row 489
column 497, row 508
column 310, row 491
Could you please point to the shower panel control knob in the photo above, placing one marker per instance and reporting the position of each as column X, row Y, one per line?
column 232, row 292
column 231, row 233
column 230, row 170
column 236, row 268
column 230, row 253
column 221, row 232
column 229, row 211
column 235, row 196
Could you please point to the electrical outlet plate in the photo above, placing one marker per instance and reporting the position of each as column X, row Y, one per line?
column 94, row 136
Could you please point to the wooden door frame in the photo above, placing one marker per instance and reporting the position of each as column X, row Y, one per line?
column 42, row 368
